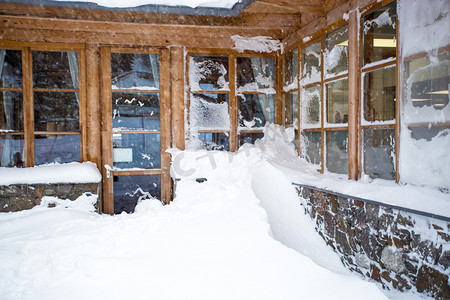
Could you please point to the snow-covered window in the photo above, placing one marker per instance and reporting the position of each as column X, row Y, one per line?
column 336, row 52
column 312, row 63
column 290, row 91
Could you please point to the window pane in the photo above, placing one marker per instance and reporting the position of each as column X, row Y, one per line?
column 135, row 111
column 337, row 157
column 310, row 107
column 256, row 74
column 56, row 111
column 11, row 111
column 378, row 152
column 55, row 69
column 249, row 137
column 291, row 108
column 311, row 147
column 12, row 152
column 295, row 141
column 10, row 68
column 336, row 54
column 134, row 71
column 311, row 63
column 290, row 68
column 208, row 73
column 379, row 95
column 379, row 34
column 130, row 190
column 255, row 110
column 137, row 151
column 57, row 148
column 215, row 141
column 337, row 101
column 209, row 111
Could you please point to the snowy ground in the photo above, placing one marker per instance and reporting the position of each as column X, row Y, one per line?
column 239, row 235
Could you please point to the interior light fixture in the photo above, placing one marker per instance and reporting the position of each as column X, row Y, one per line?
column 443, row 92
column 381, row 43
column 420, row 99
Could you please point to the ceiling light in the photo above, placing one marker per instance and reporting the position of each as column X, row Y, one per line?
column 443, row 92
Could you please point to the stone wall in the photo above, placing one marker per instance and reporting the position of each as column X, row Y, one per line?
column 26, row 196
column 399, row 250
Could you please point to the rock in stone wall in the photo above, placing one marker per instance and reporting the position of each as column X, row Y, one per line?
column 399, row 250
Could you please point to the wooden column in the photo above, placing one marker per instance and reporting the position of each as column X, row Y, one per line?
column 353, row 95
column 28, row 112
column 177, row 89
column 233, row 105
column 279, row 88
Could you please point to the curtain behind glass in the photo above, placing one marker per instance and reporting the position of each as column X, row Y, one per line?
column 74, row 72
column 154, row 61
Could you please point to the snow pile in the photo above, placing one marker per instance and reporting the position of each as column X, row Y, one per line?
column 135, row 3
column 257, row 43
column 51, row 173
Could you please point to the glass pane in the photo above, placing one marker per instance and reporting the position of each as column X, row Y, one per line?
column 337, row 101
column 290, row 68
column 379, row 95
column 310, row 107
column 256, row 110
column 130, row 190
column 249, row 137
column 209, row 111
column 11, row 111
column 379, row 34
column 57, row 148
column 295, row 141
column 215, row 141
column 291, row 109
column 141, row 151
column 134, row 71
column 12, row 152
column 256, row 74
column 311, row 146
column 311, row 63
column 337, row 157
column 426, row 133
column 10, row 68
column 208, row 73
column 55, row 69
column 135, row 111
column 336, row 54
column 379, row 153
column 56, row 111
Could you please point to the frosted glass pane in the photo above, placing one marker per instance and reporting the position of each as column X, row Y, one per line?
column 337, row 101
column 311, row 147
column 336, row 151
column 311, row 63
column 379, row 95
column 209, row 111
column 336, row 51
column 290, row 67
column 256, row 74
column 310, row 106
column 135, row 111
column 136, row 151
column 208, row 73
column 379, row 153
column 291, row 108
column 256, row 110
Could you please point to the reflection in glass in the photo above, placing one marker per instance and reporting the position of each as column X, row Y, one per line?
column 291, row 108
column 249, row 137
column 215, row 140
column 311, row 146
column 255, row 110
column 135, row 111
column 209, row 111
column 11, row 111
column 336, row 151
column 137, row 151
column 208, row 73
column 311, row 63
column 337, row 101
column 336, row 54
column 428, row 133
column 290, row 67
column 134, row 70
column 10, row 68
column 57, row 148
column 295, row 141
column 310, row 106
column 12, row 152
column 55, row 69
column 56, row 111
column 255, row 73
column 130, row 190
column 378, row 152
column 379, row 95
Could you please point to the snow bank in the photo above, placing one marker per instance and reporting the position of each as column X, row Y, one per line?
column 258, row 43
column 51, row 173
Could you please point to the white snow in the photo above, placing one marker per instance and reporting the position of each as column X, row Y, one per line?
column 134, row 3
column 262, row 44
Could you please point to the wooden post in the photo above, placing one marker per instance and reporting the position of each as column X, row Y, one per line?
column 233, row 105
column 177, row 88
column 279, row 88
column 28, row 111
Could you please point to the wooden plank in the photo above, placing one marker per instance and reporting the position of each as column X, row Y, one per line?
column 283, row 6
column 28, row 113
column 177, row 88
column 233, row 104
column 136, row 172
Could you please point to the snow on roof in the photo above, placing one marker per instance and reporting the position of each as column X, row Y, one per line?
column 135, row 3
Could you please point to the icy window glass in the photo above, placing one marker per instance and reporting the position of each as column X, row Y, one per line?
column 291, row 108
column 135, row 111
column 56, row 111
column 290, row 69
column 255, row 110
column 209, row 112
column 215, row 140
column 12, row 152
column 337, row 101
column 379, row 153
column 256, row 74
column 132, row 150
column 10, row 68
column 311, row 64
column 295, row 141
column 208, row 73
column 134, row 71
column 55, row 70
column 11, row 111
column 57, row 148
column 336, row 51
column 311, row 144
column 336, row 151
column 310, row 107
column 379, row 34
column 379, row 95
column 249, row 137
column 130, row 190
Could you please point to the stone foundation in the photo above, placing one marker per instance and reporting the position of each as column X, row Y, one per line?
column 399, row 250
column 26, row 196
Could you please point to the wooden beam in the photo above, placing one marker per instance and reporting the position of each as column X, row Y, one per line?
column 177, row 88
column 28, row 111
column 284, row 6
column 233, row 104
column 279, row 88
